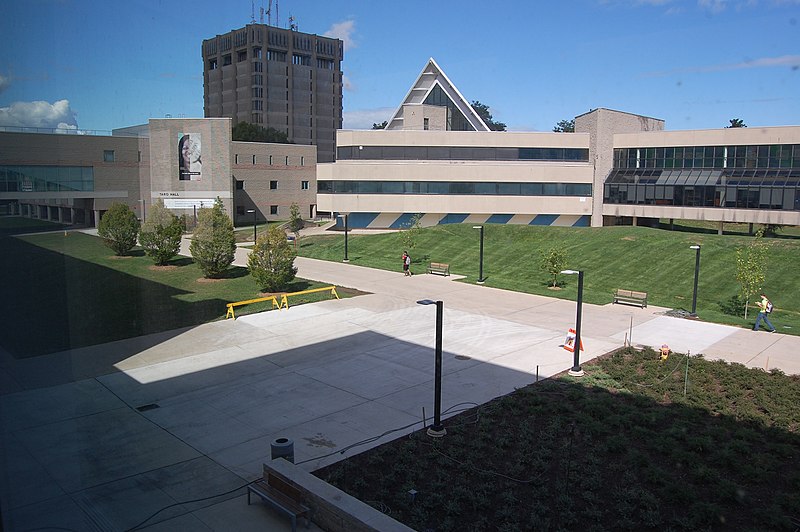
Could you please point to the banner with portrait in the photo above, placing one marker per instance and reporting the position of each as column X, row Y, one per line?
column 190, row 163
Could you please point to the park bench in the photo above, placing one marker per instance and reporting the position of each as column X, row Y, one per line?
column 630, row 296
column 439, row 268
column 282, row 496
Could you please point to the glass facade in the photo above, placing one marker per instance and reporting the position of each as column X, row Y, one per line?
column 454, row 188
column 456, row 121
column 744, row 177
column 460, row 153
column 46, row 178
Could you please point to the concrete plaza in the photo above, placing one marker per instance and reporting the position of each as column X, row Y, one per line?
column 103, row 437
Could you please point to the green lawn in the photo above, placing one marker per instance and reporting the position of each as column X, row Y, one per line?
column 656, row 261
column 621, row 448
column 70, row 291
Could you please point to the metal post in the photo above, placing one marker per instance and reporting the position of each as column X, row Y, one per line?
column 437, row 429
column 481, row 280
column 255, row 230
column 346, row 259
column 576, row 364
column 696, row 277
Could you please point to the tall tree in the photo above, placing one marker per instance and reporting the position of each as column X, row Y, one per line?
column 213, row 242
column 486, row 116
column 565, row 126
column 119, row 228
column 271, row 263
column 161, row 234
column 245, row 131
column 381, row 125
column 736, row 122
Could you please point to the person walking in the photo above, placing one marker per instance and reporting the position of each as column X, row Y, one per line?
column 407, row 264
column 764, row 309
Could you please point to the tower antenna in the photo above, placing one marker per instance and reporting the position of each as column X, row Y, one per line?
column 252, row 11
column 269, row 13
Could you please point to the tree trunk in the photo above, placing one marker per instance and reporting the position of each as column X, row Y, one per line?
column 746, row 304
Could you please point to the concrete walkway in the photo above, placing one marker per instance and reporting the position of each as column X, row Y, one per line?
column 103, row 437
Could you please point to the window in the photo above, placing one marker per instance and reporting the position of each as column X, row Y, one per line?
column 239, row 184
column 236, row 159
column 256, row 53
column 108, row 156
column 426, row 124
column 273, row 185
column 258, row 66
column 226, row 60
column 286, row 162
column 273, row 209
column 258, row 92
column 258, row 105
column 241, row 56
column 302, row 161
column 254, row 159
column 212, row 64
column 303, row 185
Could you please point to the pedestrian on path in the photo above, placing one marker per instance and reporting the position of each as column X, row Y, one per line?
column 407, row 264
column 764, row 309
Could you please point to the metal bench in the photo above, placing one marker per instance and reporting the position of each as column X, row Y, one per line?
column 282, row 496
column 631, row 297
column 439, row 268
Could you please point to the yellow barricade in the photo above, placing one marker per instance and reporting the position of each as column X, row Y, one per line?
column 284, row 302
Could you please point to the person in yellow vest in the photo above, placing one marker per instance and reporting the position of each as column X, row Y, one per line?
column 764, row 309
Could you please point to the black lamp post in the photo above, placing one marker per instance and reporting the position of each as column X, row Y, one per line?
column 344, row 216
column 696, row 247
column 255, row 231
column 481, row 280
column 576, row 370
column 437, row 430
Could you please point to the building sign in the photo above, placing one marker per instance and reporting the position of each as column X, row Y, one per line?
column 171, row 203
column 190, row 164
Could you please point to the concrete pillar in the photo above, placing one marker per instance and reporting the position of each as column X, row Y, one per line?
column 750, row 229
column 634, row 221
column 96, row 217
column 672, row 224
column 721, row 225
column 72, row 212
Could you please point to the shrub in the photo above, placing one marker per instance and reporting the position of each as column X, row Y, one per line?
column 161, row 234
column 271, row 262
column 553, row 262
column 119, row 228
column 213, row 243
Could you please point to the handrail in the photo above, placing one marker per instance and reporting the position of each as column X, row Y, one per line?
column 284, row 302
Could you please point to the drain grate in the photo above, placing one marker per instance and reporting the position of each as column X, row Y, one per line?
column 145, row 408
column 462, row 357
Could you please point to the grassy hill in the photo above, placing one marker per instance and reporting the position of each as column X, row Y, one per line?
column 652, row 260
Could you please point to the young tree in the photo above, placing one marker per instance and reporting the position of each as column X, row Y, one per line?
column 295, row 220
column 119, row 228
column 213, row 243
column 411, row 232
column 751, row 269
column 483, row 111
column 271, row 263
column 553, row 262
column 565, row 126
column 161, row 234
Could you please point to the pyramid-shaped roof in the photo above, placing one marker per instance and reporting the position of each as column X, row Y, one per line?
column 433, row 87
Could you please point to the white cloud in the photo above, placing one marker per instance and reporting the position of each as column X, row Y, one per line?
column 5, row 82
column 39, row 114
column 364, row 118
column 344, row 31
column 791, row 61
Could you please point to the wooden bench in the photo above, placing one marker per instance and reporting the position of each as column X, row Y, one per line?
column 282, row 496
column 439, row 268
column 630, row 296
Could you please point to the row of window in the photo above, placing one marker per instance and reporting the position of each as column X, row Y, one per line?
column 742, row 197
column 46, row 178
column 272, row 55
column 728, row 176
column 460, row 153
column 744, row 156
column 239, row 159
column 273, row 185
column 454, row 188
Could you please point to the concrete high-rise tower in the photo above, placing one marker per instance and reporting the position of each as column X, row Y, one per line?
column 277, row 78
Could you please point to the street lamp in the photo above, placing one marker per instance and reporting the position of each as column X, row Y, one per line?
column 437, row 430
column 696, row 247
column 481, row 280
column 255, row 231
column 344, row 216
column 576, row 370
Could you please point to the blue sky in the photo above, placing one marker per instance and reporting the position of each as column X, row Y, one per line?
column 99, row 65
